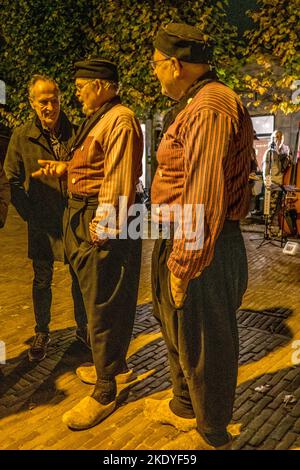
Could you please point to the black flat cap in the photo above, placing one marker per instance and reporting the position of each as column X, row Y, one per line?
column 97, row 68
column 184, row 42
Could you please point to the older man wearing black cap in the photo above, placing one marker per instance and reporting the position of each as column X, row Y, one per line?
column 106, row 165
column 204, row 161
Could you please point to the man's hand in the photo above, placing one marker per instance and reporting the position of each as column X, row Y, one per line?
column 50, row 168
column 93, row 234
column 178, row 290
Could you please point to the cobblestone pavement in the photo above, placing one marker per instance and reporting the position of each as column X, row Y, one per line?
column 34, row 396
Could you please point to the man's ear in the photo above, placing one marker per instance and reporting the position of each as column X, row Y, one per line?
column 99, row 85
column 176, row 65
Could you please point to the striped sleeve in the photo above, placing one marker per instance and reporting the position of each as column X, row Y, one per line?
column 205, row 139
column 121, row 170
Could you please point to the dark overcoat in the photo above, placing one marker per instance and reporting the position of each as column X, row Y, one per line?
column 4, row 197
column 40, row 202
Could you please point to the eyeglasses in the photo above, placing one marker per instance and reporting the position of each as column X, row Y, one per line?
column 79, row 88
column 154, row 62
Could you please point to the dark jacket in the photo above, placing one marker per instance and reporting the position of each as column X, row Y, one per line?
column 40, row 202
column 4, row 197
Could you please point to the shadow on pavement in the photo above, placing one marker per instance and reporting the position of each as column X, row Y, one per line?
column 262, row 415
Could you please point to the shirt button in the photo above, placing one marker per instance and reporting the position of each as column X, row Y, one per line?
column 73, row 180
column 189, row 100
column 198, row 274
column 160, row 173
column 82, row 147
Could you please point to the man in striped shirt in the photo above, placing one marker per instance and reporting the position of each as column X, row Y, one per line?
column 204, row 162
column 106, row 165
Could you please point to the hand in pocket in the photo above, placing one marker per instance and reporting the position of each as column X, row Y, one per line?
column 178, row 288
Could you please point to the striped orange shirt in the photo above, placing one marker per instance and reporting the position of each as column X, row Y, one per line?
column 205, row 158
column 109, row 162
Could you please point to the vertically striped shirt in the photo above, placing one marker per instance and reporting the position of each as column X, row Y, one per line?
column 205, row 158
column 109, row 162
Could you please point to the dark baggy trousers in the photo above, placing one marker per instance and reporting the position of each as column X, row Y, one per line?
column 42, row 296
column 109, row 278
column 202, row 337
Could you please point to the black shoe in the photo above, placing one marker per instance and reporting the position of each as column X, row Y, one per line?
column 82, row 334
column 38, row 350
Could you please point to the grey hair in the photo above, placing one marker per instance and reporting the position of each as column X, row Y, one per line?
column 43, row 78
column 109, row 84
column 106, row 83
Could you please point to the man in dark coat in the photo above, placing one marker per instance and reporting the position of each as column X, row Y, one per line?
column 41, row 203
column 4, row 197
column 4, row 201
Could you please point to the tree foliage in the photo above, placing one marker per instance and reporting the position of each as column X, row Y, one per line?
column 274, row 46
column 129, row 41
column 40, row 36
column 48, row 36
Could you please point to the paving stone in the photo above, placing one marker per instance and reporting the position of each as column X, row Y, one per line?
column 277, row 377
column 257, row 396
column 243, row 398
column 259, row 420
column 287, row 441
column 277, row 389
column 263, row 380
column 278, row 401
column 247, row 406
column 284, row 425
column 262, row 404
column 297, row 442
column 163, row 386
column 268, row 444
column 158, row 434
column 295, row 385
column 260, row 355
column 52, row 388
column 296, row 410
column 98, row 442
column 247, row 418
column 246, row 358
column 243, row 439
column 261, row 434
column 293, row 375
column 118, row 444
column 277, row 416
column 296, row 427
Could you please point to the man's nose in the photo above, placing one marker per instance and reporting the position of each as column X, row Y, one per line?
column 50, row 106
